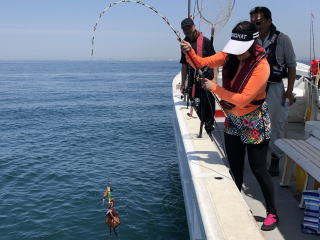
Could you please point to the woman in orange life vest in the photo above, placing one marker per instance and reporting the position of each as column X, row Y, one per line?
column 247, row 126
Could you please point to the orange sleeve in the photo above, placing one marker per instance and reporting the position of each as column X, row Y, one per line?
column 255, row 86
column 215, row 60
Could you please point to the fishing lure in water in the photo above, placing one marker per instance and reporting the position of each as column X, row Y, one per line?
column 112, row 215
column 106, row 194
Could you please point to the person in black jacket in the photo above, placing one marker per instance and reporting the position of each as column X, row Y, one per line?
column 201, row 99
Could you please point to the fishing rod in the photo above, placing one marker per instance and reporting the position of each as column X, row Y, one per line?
column 136, row 2
column 201, row 76
column 165, row 19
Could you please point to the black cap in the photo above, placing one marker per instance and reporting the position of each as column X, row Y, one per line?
column 187, row 22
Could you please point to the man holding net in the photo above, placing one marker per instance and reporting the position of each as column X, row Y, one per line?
column 200, row 98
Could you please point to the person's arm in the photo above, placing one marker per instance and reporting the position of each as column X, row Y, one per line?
column 291, row 78
column 183, row 77
column 290, row 61
column 255, row 85
column 212, row 51
column 195, row 61
column 215, row 60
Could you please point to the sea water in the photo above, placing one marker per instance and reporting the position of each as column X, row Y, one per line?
column 70, row 128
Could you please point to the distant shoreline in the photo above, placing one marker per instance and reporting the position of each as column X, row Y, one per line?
column 93, row 60
column 305, row 61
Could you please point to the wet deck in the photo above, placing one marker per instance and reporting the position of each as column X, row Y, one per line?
column 287, row 203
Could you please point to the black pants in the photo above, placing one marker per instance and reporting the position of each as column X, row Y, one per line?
column 206, row 108
column 257, row 156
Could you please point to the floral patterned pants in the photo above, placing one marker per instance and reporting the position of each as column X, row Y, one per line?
column 252, row 128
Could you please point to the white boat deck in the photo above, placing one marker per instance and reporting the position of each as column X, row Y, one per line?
column 289, row 212
column 215, row 208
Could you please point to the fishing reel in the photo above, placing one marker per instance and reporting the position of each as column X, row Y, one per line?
column 184, row 92
column 195, row 102
column 205, row 72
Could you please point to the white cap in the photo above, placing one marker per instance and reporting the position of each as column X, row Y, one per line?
column 240, row 42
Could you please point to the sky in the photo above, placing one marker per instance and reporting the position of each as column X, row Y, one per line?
column 62, row 29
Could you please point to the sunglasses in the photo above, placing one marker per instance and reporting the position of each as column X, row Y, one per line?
column 257, row 23
column 187, row 28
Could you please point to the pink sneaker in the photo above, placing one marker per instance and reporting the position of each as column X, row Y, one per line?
column 270, row 222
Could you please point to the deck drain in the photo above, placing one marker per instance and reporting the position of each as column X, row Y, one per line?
column 218, row 178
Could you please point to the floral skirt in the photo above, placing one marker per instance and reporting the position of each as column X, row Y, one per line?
column 252, row 128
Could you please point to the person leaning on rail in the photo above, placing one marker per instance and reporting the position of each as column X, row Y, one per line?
column 282, row 61
column 247, row 125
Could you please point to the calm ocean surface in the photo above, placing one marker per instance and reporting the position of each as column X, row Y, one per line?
column 70, row 128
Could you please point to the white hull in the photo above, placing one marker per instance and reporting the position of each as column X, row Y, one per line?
column 215, row 208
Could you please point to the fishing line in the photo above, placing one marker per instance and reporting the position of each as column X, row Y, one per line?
column 136, row 2
column 107, row 193
column 165, row 19
column 227, row 177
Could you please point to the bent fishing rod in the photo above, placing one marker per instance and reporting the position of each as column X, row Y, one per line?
column 139, row 3
column 165, row 19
